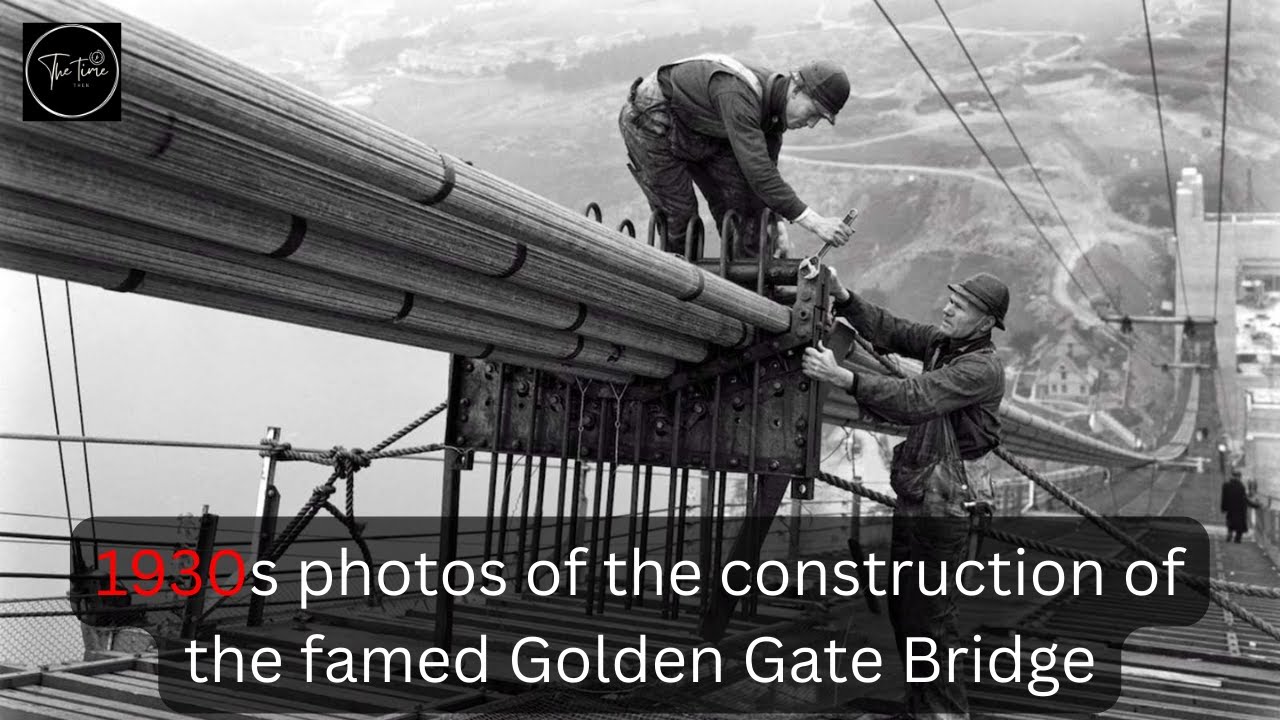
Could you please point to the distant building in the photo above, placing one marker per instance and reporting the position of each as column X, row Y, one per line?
column 1063, row 369
column 1060, row 378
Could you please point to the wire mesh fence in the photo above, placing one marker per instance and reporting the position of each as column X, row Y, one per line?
column 44, row 631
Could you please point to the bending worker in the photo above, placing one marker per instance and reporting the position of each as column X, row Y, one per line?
column 961, row 387
column 713, row 121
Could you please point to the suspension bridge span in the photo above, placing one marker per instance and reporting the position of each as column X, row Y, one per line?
column 574, row 344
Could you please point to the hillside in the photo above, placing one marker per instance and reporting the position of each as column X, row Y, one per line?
column 531, row 92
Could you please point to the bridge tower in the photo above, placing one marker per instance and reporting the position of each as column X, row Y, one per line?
column 1199, row 254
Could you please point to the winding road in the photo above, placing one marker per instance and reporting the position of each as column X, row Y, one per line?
column 1028, row 195
column 1031, row 196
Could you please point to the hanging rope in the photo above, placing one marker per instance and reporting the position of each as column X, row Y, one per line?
column 84, row 447
column 395, row 437
column 982, row 149
column 1102, row 284
column 1261, row 591
column 1205, row 586
column 1164, row 152
column 346, row 463
column 994, row 167
column 1200, row 584
column 53, row 398
column 1222, row 158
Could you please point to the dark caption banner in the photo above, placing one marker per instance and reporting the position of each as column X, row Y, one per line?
column 659, row 615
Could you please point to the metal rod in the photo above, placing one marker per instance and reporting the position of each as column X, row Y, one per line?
column 609, row 497
column 752, row 599
column 709, row 539
column 564, row 471
column 644, row 523
column 634, row 505
column 539, row 512
column 193, row 608
column 1160, row 319
column 776, row 271
column 718, row 556
column 506, row 507
column 450, row 495
column 139, row 442
column 684, row 505
column 593, row 557
column 522, row 545
column 498, row 419
column 668, row 547
column 574, row 502
column 265, row 525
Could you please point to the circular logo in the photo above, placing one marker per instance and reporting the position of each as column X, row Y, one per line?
column 72, row 71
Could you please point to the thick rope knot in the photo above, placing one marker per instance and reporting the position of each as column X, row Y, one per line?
column 347, row 463
column 322, row 493
column 273, row 449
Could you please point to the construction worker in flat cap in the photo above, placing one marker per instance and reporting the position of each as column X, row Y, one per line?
column 713, row 121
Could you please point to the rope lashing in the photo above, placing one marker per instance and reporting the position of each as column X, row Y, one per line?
column 394, row 437
column 346, row 463
column 1200, row 584
column 1206, row 586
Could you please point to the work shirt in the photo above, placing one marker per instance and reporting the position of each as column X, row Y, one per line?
column 710, row 100
column 966, row 381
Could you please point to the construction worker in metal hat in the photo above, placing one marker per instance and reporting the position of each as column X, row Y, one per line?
column 716, row 122
column 958, row 393
column 986, row 292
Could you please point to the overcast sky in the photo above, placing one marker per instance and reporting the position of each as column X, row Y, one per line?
column 156, row 369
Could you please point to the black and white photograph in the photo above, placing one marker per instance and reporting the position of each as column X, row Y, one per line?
column 865, row 359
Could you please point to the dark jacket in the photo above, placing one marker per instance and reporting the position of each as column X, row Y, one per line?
column 1235, row 503
column 966, row 381
column 711, row 101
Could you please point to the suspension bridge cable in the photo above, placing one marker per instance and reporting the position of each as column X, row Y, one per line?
column 993, row 165
column 983, row 150
column 1164, row 151
column 84, row 447
column 1222, row 157
column 113, row 522
column 51, row 543
column 141, row 442
column 1021, row 148
column 53, row 397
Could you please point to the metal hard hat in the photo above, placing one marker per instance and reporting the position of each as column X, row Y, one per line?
column 987, row 293
column 827, row 84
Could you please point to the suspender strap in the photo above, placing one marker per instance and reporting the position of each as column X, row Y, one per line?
column 733, row 66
